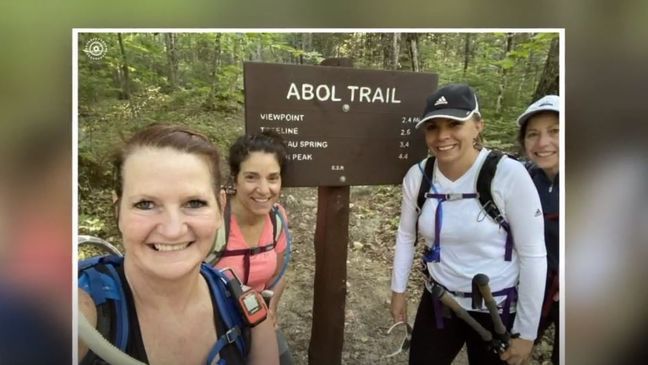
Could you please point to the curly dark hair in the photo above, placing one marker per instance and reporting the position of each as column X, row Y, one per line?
column 267, row 141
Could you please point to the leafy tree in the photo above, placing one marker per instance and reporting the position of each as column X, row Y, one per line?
column 197, row 79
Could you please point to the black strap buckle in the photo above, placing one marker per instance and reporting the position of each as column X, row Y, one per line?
column 232, row 334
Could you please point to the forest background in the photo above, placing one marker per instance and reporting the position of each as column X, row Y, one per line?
column 197, row 79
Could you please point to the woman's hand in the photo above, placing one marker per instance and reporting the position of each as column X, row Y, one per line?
column 518, row 352
column 399, row 307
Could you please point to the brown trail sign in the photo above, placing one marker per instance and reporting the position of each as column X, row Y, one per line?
column 343, row 127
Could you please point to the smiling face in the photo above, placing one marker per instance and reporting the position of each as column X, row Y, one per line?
column 542, row 143
column 258, row 183
column 168, row 212
column 452, row 141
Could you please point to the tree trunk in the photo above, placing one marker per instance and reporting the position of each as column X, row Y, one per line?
column 306, row 42
column 210, row 102
column 258, row 51
column 412, row 40
column 395, row 51
column 124, row 78
column 391, row 50
column 549, row 82
column 172, row 60
column 503, row 74
column 466, row 53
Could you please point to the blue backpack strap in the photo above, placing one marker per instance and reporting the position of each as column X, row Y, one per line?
column 287, row 253
column 99, row 278
column 228, row 312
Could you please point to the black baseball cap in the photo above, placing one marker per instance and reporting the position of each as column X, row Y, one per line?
column 453, row 101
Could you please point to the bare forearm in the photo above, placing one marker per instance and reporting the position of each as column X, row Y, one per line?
column 263, row 349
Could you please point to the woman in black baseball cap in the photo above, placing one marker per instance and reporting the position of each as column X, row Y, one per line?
column 466, row 234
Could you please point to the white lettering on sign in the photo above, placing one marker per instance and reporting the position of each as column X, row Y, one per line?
column 322, row 92
column 301, row 157
column 307, row 144
column 337, row 167
column 410, row 120
column 282, row 117
column 366, row 94
column 282, row 130
column 313, row 144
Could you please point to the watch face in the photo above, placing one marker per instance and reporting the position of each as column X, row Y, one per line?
column 251, row 303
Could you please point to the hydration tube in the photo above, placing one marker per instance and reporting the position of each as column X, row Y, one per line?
column 101, row 347
column 287, row 253
column 88, row 334
column 98, row 242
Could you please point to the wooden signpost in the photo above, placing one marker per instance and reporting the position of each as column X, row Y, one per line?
column 343, row 127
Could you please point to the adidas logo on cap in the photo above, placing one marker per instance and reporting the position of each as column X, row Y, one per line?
column 441, row 100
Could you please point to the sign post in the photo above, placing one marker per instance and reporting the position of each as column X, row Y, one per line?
column 331, row 243
column 343, row 127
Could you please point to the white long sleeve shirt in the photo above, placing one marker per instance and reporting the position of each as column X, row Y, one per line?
column 471, row 242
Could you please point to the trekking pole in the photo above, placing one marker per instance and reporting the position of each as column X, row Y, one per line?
column 440, row 293
column 503, row 337
column 482, row 283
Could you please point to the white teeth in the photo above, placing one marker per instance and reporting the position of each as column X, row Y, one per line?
column 544, row 154
column 175, row 247
column 444, row 148
column 260, row 200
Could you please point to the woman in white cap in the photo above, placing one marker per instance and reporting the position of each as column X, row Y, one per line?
column 539, row 137
column 463, row 239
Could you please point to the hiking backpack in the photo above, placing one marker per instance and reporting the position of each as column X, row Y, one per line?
column 279, row 225
column 484, row 180
column 99, row 278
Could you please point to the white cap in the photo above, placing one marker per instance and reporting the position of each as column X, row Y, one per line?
column 548, row 102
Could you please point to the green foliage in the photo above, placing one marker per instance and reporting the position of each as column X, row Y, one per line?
column 209, row 93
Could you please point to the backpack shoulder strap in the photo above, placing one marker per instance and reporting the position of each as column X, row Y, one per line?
column 280, row 224
column 484, row 181
column 235, row 329
column 426, row 182
column 277, row 220
column 222, row 236
column 99, row 278
column 227, row 219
